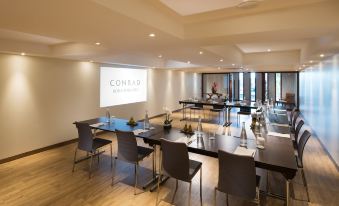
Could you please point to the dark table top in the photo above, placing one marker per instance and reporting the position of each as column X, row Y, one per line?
column 278, row 154
column 219, row 102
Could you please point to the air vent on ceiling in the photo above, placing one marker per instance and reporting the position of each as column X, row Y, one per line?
column 248, row 4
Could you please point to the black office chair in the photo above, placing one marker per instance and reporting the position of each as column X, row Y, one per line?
column 90, row 144
column 291, row 115
column 295, row 135
column 129, row 151
column 243, row 111
column 197, row 107
column 237, row 177
column 294, row 120
column 217, row 109
column 176, row 164
column 299, row 158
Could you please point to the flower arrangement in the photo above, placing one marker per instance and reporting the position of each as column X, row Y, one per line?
column 168, row 121
column 214, row 87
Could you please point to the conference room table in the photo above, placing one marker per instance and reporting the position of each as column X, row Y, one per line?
column 278, row 154
column 227, row 105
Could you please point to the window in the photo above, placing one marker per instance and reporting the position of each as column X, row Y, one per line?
column 253, row 87
column 241, row 86
column 278, row 86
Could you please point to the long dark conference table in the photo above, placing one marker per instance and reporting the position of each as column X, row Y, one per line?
column 228, row 105
column 278, row 155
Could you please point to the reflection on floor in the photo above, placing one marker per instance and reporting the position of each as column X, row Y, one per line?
column 46, row 179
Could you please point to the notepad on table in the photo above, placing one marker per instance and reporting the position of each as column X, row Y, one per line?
column 276, row 134
column 97, row 124
column 139, row 131
column 186, row 140
column 244, row 151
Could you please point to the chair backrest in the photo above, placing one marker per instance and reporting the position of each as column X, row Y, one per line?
column 237, row 175
column 295, row 117
column 127, row 146
column 297, row 130
column 85, row 136
column 302, row 142
column 292, row 113
column 175, row 160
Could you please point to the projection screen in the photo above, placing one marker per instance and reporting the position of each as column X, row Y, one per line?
column 122, row 86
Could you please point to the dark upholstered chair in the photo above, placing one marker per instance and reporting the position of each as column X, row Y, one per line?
column 243, row 111
column 299, row 158
column 90, row 144
column 176, row 164
column 219, row 109
column 295, row 135
column 294, row 120
column 129, row 151
column 237, row 177
column 197, row 107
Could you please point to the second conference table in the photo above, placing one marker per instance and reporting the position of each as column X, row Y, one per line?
column 227, row 105
column 278, row 155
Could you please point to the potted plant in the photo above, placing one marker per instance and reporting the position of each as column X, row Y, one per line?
column 168, row 121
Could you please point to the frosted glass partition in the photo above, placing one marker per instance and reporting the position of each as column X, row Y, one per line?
column 319, row 95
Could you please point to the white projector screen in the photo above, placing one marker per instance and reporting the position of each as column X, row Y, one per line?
column 122, row 86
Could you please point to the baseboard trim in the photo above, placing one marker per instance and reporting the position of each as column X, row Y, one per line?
column 25, row 154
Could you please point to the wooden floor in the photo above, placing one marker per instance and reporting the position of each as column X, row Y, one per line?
column 46, row 179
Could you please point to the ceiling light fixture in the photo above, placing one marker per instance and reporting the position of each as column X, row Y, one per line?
column 233, row 64
column 97, row 43
column 160, row 56
column 219, row 68
column 151, row 35
column 188, row 62
column 269, row 50
column 311, row 61
column 201, row 52
column 22, row 53
column 322, row 55
column 221, row 60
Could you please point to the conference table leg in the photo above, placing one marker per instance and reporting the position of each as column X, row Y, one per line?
column 287, row 192
column 228, row 117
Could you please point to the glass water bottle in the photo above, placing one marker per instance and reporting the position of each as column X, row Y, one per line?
column 146, row 122
column 108, row 116
column 243, row 136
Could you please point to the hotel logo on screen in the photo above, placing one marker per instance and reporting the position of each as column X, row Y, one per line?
column 122, row 86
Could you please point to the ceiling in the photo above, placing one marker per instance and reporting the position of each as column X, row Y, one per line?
column 190, row 35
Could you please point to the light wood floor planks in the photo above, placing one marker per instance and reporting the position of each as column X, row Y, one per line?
column 46, row 179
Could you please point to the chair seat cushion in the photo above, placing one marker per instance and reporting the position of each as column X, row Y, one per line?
column 196, row 108
column 144, row 152
column 216, row 110
column 98, row 142
column 194, row 168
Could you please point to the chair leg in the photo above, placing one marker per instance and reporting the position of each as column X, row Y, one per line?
column 113, row 171
column 159, row 179
column 201, row 186
column 305, row 184
column 75, row 157
column 215, row 196
column 226, row 199
column 98, row 156
column 136, row 178
column 90, row 166
column 111, row 157
column 258, row 196
column 189, row 195
column 175, row 191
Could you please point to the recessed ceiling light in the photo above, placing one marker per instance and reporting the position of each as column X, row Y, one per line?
column 160, row 56
column 219, row 68
column 322, row 55
column 188, row 62
column 233, row 64
column 304, row 65
column 311, row 61
column 151, row 35
column 269, row 50
column 97, row 43
column 22, row 53
column 221, row 60
column 201, row 52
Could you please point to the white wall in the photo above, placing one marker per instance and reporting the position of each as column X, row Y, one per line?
column 319, row 96
column 40, row 98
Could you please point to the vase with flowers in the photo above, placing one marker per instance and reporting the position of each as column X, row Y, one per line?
column 167, row 121
column 214, row 87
